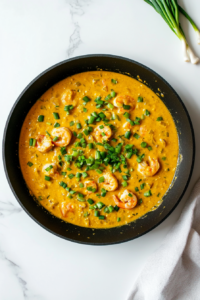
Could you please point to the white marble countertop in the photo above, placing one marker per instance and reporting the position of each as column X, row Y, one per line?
column 34, row 35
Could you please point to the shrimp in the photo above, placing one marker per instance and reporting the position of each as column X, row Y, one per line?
column 143, row 130
column 105, row 88
column 149, row 169
column 67, row 97
column 64, row 135
column 127, row 200
column 102, row 134
column 65, row 208
column 51, row 169
column 122, row 100
column 90, row 186
column 127, row 126
column 110, row 182
column 44, row 143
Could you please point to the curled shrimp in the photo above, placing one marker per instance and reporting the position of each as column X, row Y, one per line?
column 44, row 143
column 102, row 134
column 90, row 186
column 65, row 208
column 122, row 100
column 110, row 182
column 67, row 97
column 51, row 169
column 150, row 168
column 64, row 135
column 127, row 200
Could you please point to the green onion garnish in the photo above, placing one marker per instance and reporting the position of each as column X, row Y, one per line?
column 56, row 125
column 148, row 194
column 114, row 81
column 101, row 179
column 29, row 163
column 56, row 115
column 101, row 217
column 47, row 178
column 78, row 126
column 96, row 213
column 124, row 183
column 143, row 145
column 86, row 99
column 147, row 113
column 127, row 135
column 140, row 99
column 113, row 94
column 40, row 118
column 159, row 119
column 136, row 136
column 136, row 189
column 30, row 142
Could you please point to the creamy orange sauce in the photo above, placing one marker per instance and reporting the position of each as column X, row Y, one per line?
column 108, row 185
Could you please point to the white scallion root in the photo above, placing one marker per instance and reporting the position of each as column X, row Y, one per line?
column 194, row 59
column 198, row 37
column 185, row 52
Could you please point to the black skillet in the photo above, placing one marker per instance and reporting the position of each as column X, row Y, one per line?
column 87, row 235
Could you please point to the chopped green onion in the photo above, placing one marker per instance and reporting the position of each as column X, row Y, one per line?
column 111, row 106
column 56, row 125
column 100, row 205
column 91, row 120
column 140, row 99
column 143, row 145
column 86, row 99
column 116, row 208
column 127, row 115
column 164, row 158
column 71, row 123
column 56, row 115
column 96, row 213
column 48, row 123
column 101, row 179
column 114, row 81
column 118, row 219
column 71, row 176
column 84, row 174
column 149, row 148
column 90, row 201
column 124, row 183
column 113, row 94
column 148, row 194
column 81, row 185
column 142, row 186
column 55, row 139
column 30, row 142
column 159, row 119
column 126, row 107
column 29, row 163
column 111, row 208
column 40, row 118
column 136, row 136
column 101, row 217
column 78, row 126
column 49, row 168
column 127, row 135
column 147, row 113
column 47, row 178
column 136, row 189
column 90, row 145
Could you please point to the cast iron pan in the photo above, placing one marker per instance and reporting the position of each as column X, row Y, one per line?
column 42, row 83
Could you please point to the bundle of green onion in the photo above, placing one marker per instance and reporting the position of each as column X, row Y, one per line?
column 169, row 11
